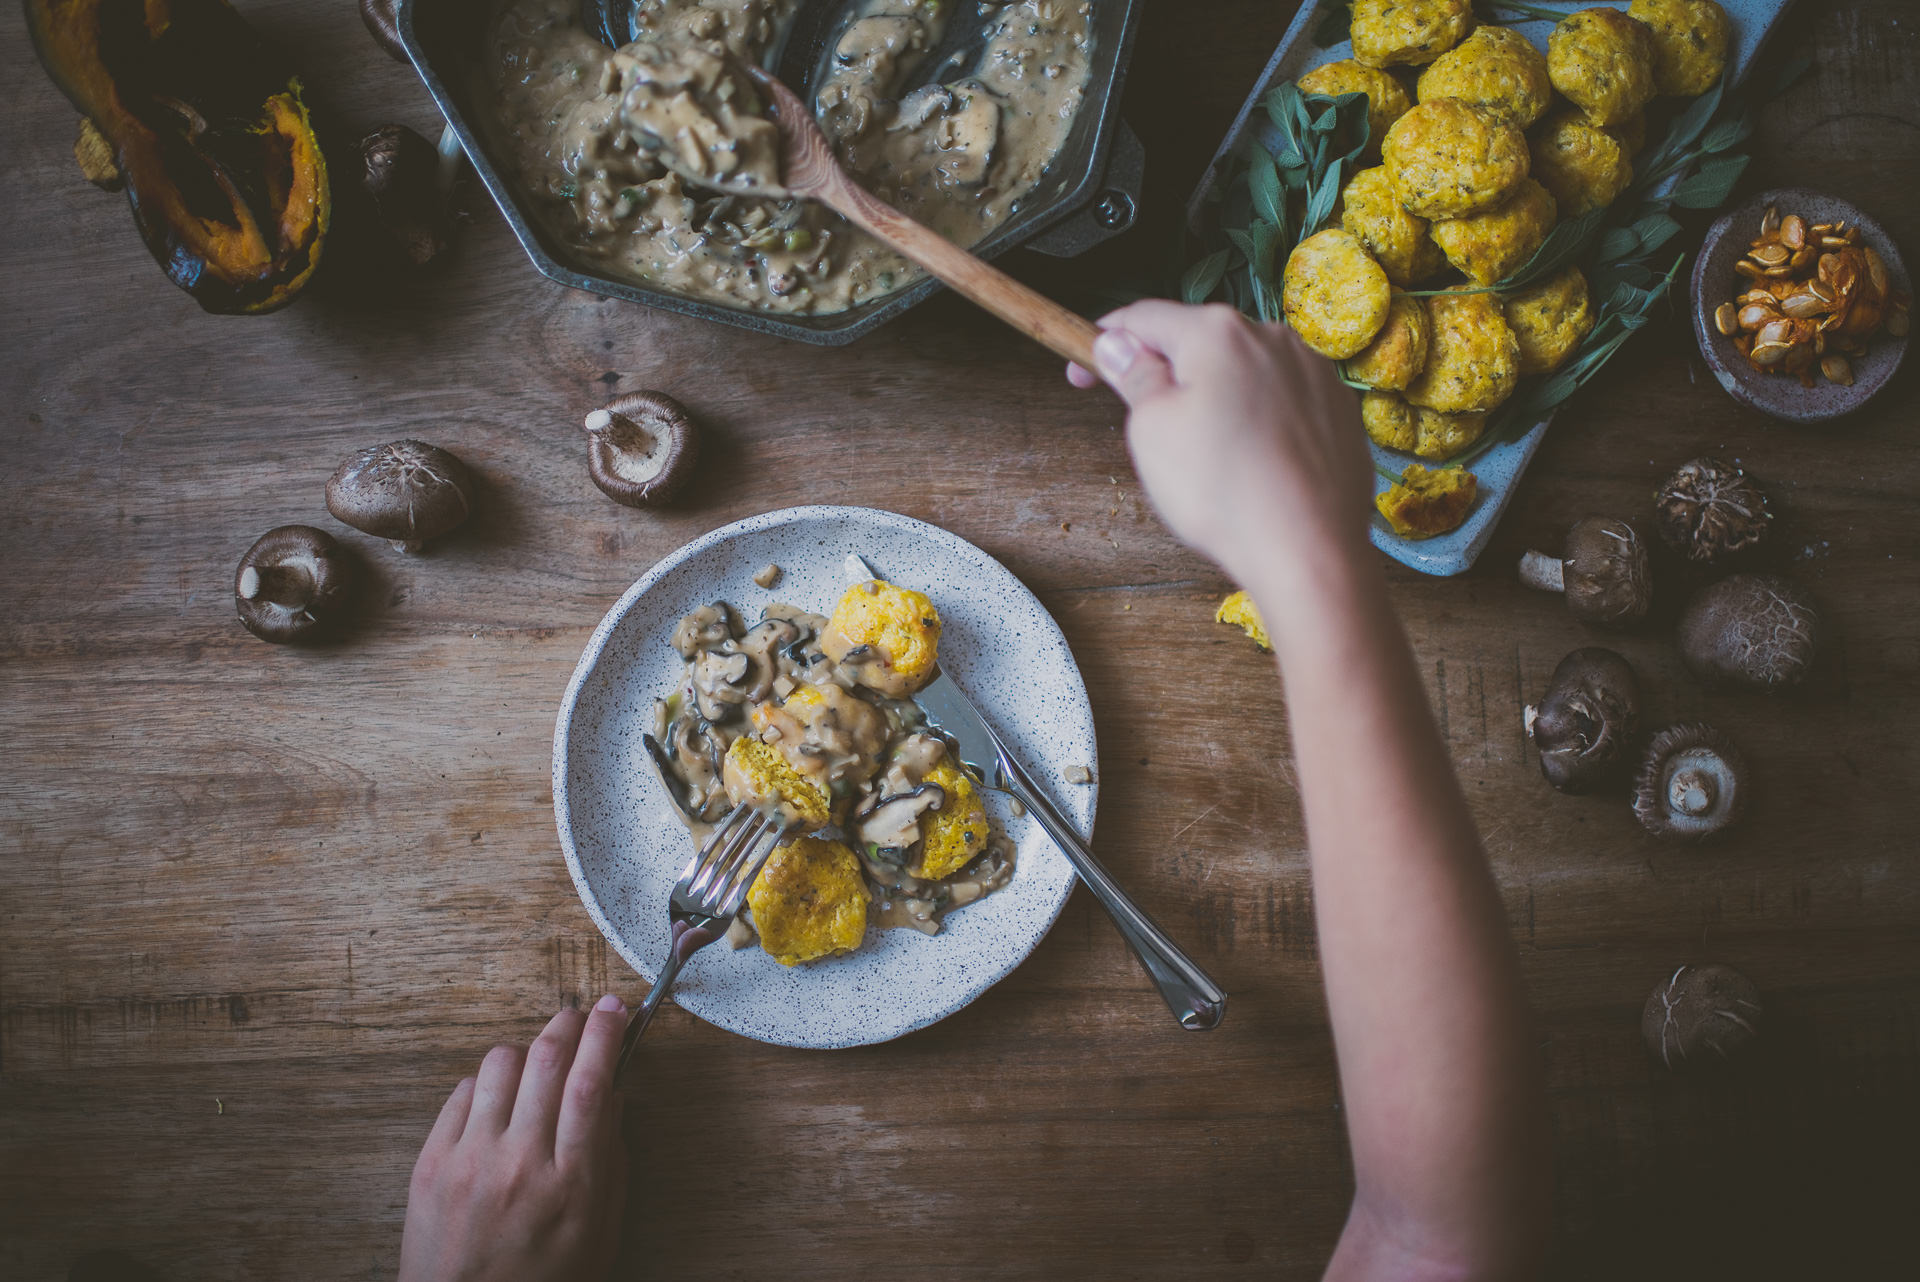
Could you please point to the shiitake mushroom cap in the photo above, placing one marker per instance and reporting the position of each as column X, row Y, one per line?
column 642, row 448
column 1584, row 727
column 1709, row 511
column 1700, row 1014
column 1755, row 630
column 1604, row 571
column 291, row 583
column 406, row 491
column 1692, row 782
column 400, row 174
column 383, row 24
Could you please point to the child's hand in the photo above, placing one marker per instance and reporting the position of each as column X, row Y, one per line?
column 524, row 1175
column 1248, row 443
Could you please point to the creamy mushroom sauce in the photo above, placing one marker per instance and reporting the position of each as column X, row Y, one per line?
column 870, row 753
column 959, row 156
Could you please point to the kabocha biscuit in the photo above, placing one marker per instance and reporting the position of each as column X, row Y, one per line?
column 1390, row 33
column 957, row 831
column 1601, row 61
column 1371, row 211
column 1441, row 436
column 1388, row 420
column 1387, row 98
column 1491, row 245
column 1447, row 159
column 1495, row 69
column 1473, row 362
column 1689, row 44
column 1583, row 165
column 809, row 901
column 1398, row 352
column 888, row 635
column 1549, row 320
column 1334, row 295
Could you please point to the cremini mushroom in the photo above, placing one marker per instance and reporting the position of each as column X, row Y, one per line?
column 1700, row 1012
column 400, row 174
column 641, row 448
column 383, row 23
column 291, row 583
column 1709, row 510
column 1585, row 724
column 406, row 491
column 1603, row 571
column 1692, row 782
column 1756, row 630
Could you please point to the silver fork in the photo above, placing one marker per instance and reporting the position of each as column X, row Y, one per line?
column 705, row 901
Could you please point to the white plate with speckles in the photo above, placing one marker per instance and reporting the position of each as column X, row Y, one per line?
column 624, row 846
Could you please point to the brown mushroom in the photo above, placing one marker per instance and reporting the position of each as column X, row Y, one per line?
column 1603, row 572
column 1692, row 782
column 1700, row 1009
column 1756, row 630
column 1584, row 726
column 291, row 583
column 1708, row 510
column 641, row 448
column 405, row 491
column 383, row 23
column 400, row 174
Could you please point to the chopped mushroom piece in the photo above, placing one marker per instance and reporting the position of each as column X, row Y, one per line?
column 1756, row 630
column 1603, row 572
column 1078, row 774
column 1709, row 510
column 291, row 582
column 1700, row 1009
column 1584, row 727
column 641, row 448
column 768, row 575
column 408, row 492
column 1691, row 783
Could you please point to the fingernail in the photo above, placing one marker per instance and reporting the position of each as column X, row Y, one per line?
column 610, row 1003
column 1115, row 351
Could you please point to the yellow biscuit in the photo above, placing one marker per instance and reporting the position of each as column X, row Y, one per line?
column 1601, row 61
column 1549, row 320
column 1689, row 44
column 1240, row 611
column 809, row 901
column 1387, row 98
column 1491, row 245
column 1334, row 295
column 1398, row 352
column 1495, row 69
column 757, row 774
column 1448, row 160
column 1473, row 361
column 957, row 832
column 1391, row 33
column 889, row 636
column 1388, row 420
column 1424, row 503
column 1441, row 436
column 1583, row 165
column 1371, row 211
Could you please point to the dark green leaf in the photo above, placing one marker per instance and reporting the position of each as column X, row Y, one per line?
column 1269, row 196
column 1655, row 230
column 1617, row 242
column 1242, row 240
column 1566, row 243
column 1710, row 185
column 1266, row 240
column 1727, row 133
column 1199, row 281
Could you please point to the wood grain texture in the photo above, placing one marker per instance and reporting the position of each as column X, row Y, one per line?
column 261, row 907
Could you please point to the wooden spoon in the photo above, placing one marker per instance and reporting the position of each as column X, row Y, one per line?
column 810, row 169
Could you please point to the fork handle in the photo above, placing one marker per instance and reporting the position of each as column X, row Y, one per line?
column 1190, row 993
column 687, row 940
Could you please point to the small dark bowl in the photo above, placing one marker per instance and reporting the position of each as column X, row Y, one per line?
column 1716, row 282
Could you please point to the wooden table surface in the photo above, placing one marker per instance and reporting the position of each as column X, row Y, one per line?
column 261, row 906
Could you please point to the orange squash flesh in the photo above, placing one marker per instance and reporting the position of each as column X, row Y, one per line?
column 224, row 172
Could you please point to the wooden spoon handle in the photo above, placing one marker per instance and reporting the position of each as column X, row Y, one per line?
column 1033, row 314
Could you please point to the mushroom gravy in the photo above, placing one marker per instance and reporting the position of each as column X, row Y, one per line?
column 959, row 155
column 872, row 755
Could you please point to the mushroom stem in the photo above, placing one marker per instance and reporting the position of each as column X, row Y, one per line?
column 1547, row 573
column 1691, row 791
column 289, row 583
column 622, row 432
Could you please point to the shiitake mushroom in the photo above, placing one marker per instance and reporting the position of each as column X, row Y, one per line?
column 1692, row 782
column 400, row 173
column 641, row 448
column 1754, row 630
column 291, row 583
column 1710, row 511
column 1585, row 725
column 1699, row 1013
column 1603, row 571
column 405, row 491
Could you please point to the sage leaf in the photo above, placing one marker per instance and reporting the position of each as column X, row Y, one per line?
column 1199, row 281
column 1710, row 185
column 1269, row 195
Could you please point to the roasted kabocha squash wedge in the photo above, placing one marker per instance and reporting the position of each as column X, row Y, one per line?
column 209, row 129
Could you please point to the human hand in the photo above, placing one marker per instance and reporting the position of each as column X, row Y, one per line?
column 524, row 1174
column 1248, row 443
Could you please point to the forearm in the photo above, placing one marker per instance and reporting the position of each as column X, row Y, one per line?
column 1429, row 1019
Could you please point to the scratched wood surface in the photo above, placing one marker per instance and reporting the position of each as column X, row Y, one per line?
column 260, row 907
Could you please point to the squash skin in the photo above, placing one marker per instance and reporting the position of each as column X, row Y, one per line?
column 224, row 171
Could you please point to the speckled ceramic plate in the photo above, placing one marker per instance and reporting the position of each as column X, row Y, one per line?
column 1500, row 468
column 624, row 847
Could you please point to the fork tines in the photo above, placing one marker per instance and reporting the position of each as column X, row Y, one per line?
column 718, row 877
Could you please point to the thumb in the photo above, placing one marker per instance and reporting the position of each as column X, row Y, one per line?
column 1130, row 367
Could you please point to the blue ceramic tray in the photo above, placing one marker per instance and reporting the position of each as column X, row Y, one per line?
column 1500, row 468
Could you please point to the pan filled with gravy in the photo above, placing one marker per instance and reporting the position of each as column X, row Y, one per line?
column 988, row 120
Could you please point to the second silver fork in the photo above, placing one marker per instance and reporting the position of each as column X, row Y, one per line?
column 705, row 900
